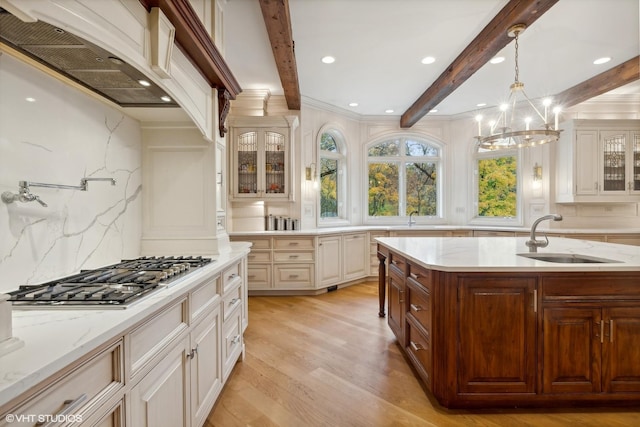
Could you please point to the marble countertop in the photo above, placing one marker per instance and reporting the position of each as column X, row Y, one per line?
column 364, row 228
column 501, row 254
column 54, row 338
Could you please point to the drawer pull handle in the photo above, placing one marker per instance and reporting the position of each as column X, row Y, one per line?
column 414, row 276
column 293, row 243
column 416, row 307
column 293, row 256
column 293, row 276
column 416, row 347
column 70, row 407
column 232, row 276
column 235, row 339
column 611, row 330
column 233, row 301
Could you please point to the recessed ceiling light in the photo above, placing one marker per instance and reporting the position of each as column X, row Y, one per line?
column 144, row 83
column 353, row 104
column 482, row 104
column 602, row 60
column 428, row 60
column 165, row 98
column 389, row 111
column 29, row 99
column 497, row 59
column 433, row 110
column 328, row 59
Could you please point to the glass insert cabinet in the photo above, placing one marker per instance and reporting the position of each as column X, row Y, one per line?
column 262, row 157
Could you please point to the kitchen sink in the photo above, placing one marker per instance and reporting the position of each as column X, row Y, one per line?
column 566, row 258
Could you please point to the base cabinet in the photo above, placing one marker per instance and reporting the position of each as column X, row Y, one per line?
column 591, row 350
column 161, row 398
column 506, row 339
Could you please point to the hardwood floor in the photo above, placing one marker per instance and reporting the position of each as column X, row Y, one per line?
column 329, row 360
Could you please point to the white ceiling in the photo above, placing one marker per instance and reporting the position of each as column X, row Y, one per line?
column 378, row 45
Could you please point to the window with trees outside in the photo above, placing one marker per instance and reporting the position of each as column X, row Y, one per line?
column 332, row 187
column 403, row 178
column 497, row 184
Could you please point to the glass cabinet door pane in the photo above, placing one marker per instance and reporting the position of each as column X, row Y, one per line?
column 636, row 161
column 274, row 144
column 248, row 162
column 614, row 162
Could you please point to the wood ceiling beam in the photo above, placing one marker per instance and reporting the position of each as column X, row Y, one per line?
column 277, row 19
column 484, row 47
column 620, row 75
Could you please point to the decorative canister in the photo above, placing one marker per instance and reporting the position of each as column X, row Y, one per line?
column 270, row 223
column 279, row 223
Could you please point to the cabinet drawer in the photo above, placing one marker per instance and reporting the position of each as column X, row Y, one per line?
column 420, row 275
column 259, row 256
column 293, row 275
column 231, row 301
column 204, row 297
column 82, row 390
column 232, row 344
column 259, row 243
column 148, row 340
column 419, row 351
column 229, row 276
column 294, row 243
column 397, row 263
column 420, row 305
column 259, row 276
column 599, row 287
column 293, row 256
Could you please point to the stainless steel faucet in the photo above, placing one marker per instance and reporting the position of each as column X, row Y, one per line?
column 534, row 244
column 411, row 220
column 24, row 193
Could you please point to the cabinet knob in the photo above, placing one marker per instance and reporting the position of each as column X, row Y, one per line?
column 416, row 347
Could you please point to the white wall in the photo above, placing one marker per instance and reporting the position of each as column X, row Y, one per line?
column 63, row 136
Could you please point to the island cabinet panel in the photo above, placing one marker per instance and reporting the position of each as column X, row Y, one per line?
column 572, row 356
column 396, row 309
column 621, row 350
column 496, row 335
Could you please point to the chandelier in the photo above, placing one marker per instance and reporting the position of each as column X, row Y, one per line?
column 519, row 123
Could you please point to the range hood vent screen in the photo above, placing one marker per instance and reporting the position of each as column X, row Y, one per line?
column 81, row 61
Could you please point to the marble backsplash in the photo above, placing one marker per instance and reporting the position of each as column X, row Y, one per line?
column 59, row 136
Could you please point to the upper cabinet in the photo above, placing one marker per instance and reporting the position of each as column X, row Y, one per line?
column 598, row 161
column 262, row 157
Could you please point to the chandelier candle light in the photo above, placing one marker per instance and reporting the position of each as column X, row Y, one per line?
column 504, row 132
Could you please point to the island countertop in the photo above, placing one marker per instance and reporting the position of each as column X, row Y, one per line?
column 481, row 254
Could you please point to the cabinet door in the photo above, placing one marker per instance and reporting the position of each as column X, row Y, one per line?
column 355, row 257
column 571, row 350
column 161, row 398
column 246, row 163
column 614, row 161
column 496, row 335
column 397, row 306
column 586, row 162
column 634, row 161
column 275, row 162
column 621, row 350
column 329, row 261
column 206, row 366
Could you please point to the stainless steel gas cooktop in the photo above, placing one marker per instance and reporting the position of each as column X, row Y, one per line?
column 113, row 286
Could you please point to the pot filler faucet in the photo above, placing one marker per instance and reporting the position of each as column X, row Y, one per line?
column 534, row 244
column 24, row 193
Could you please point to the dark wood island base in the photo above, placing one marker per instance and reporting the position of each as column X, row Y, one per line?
column 516, row 339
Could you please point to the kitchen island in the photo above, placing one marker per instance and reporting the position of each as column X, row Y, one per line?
column 486, row 327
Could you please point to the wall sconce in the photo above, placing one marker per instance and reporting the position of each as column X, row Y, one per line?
column 310, row 174
column 537, row 173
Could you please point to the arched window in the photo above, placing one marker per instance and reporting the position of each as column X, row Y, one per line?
column 332, row 176
column 496, row 185
column 403, row 177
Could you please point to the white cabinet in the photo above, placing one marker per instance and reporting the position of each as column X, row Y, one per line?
column 341, row 258
column 598, row 161
column 354, row 265
column 329, row 260
column 262, row 157
column 161, row 398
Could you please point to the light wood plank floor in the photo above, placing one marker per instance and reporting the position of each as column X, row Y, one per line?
column 328, row 360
